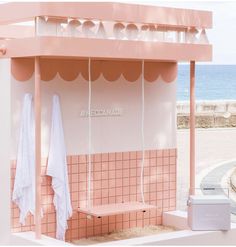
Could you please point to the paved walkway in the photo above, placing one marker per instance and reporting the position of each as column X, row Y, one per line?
column 211, row 183
column 213, row 146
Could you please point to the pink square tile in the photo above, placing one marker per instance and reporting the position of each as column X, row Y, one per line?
column 105, row 220
column 82, row 159
column 97, row 201
column 133, row 216
column 172, row 160
column 74, row 196
column 104, row 166
column 133, row 163
column 153, row 187
column 159, row 161
column 172, row 185
column 153, row 154
column 126, row 225
column 133, row 181
column 119, row 156
column 119, row 226
column 166, row 153
column 83, row 168
column 98, row 157
column 74, row 178
column 133, row 189
column 82, row 233
column 118, row 191
column 112, row 199
column 112, row 156
column 112, row 219
column 172, row 177
column 104, row 157
column 133, row 197
column 133, row 172
column 172, row 193
column 75, row 169
column 172, row 168
column 112, row 165
column 126, row 190
column 112, row 174
column 125, row 164
column 105, row 174
column 97, row 194
column 112, row 227
column 97, row 221
column 90, row 222
column 104, row 184
column 125, row 198
column 97, row 166
column 153, row 221
column 90, row 232
column 97, row 184
column 105, row 200
column 133, row 223
column 166, row 194
column 119, row 165
column 112, row 191
column 118, row 182
column 172, row 152
column 166, row 186
column 172, row 202
column 139, row 223
column 125, row 173
column 118, row 173
column 105, row 229
column 159, row 153
column 97, row 230
column 146, row 222
column 75, row 224
column 125, row 156
column 74, row 159
column 132, row 155
column 166, row 161
column 112, row 183
column 119, row 218
column 105, row 193
column 146, row 171
column 119, row 199
column 97, row 175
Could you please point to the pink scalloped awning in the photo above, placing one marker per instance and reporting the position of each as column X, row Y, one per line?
column 69, row 69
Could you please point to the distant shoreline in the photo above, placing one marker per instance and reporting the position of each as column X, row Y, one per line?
column 209, row 114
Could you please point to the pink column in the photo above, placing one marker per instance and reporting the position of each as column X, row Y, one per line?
column 192, row 128
column 37, row 108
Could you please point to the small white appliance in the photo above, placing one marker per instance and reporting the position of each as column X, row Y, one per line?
column 209, row 212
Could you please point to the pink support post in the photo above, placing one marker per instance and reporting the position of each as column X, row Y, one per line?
column 192, row 127
column 37, row 102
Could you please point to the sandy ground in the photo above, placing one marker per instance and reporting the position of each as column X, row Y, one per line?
column 212, row 147
column 125, row 234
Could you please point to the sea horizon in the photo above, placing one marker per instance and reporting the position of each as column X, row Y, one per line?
column 214, row 82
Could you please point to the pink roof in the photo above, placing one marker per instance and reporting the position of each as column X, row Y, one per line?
column 14, row 12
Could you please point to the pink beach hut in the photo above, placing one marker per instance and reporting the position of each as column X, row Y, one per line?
column 114, row 67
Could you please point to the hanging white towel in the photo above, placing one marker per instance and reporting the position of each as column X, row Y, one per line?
column 57, row 169
column 24, row 185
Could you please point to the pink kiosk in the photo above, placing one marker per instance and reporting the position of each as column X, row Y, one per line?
column 118, row 62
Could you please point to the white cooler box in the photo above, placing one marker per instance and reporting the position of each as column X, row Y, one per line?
column 209, row 212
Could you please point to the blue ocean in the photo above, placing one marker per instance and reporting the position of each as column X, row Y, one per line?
column 213, row 82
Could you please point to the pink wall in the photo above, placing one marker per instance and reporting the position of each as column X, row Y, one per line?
column 116, row 149
column 109, row 134
column 116, row 178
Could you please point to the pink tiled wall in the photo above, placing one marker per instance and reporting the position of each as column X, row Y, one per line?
column 116, row 178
